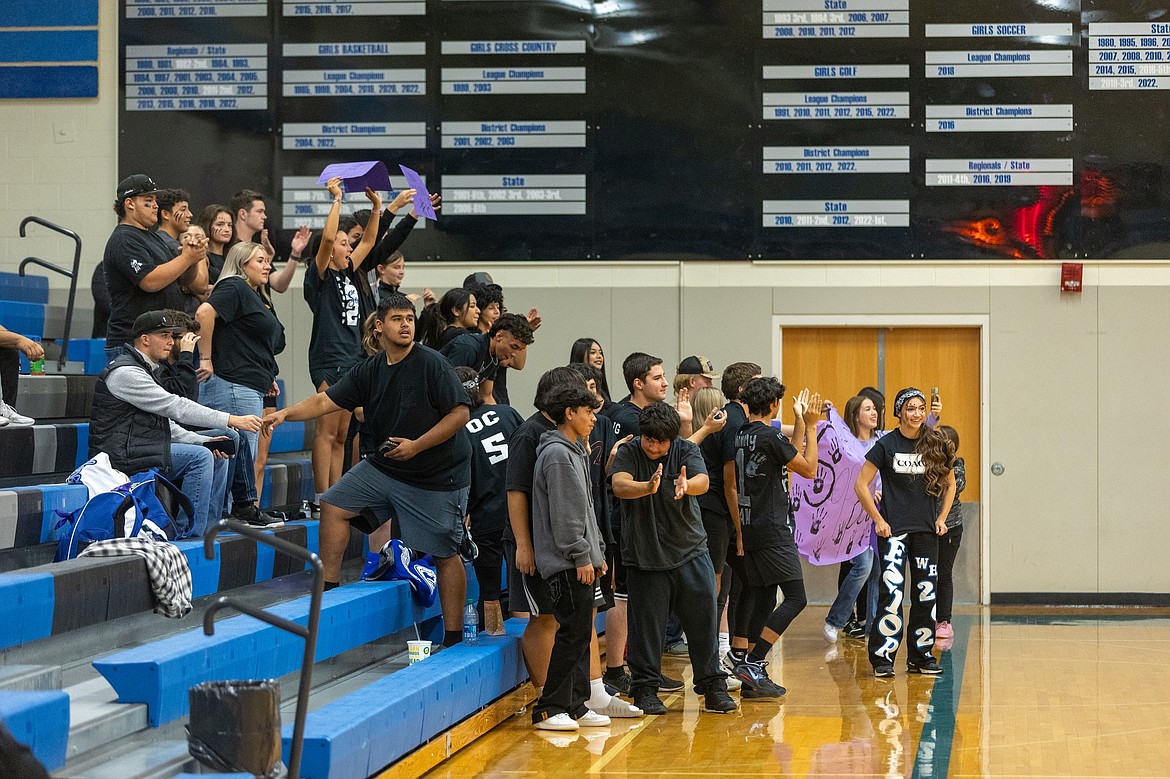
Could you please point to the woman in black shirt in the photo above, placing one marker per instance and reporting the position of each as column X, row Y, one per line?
column 240, row 338
column 918, row 487
column 336, row 343
column 588, row 351
column 456, row 313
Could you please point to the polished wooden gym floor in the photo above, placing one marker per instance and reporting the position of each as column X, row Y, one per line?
column 1025, row 693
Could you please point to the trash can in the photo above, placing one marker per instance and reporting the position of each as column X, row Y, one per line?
column 235, row 726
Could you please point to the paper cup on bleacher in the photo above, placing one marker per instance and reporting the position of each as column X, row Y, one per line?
column 418, row 650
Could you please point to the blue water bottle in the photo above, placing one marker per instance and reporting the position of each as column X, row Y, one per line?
column 470, row 624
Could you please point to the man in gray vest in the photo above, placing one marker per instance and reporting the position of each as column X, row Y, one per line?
column 135, row 421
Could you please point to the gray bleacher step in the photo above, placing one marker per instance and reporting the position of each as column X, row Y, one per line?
column 157, row 760
column 30, row 677
column 97, row 719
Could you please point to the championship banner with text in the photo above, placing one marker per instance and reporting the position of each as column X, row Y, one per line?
column 831, row 525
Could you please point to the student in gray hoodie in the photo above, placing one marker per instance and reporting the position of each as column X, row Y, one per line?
column 569, row 556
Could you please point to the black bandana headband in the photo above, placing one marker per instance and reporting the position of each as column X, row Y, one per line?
column 904, row 395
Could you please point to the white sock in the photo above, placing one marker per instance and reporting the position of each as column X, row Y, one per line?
column 317, row 497
column 598, row 697
column 724, row 643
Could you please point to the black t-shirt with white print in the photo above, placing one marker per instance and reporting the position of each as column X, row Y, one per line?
column 762, row 454
column 906, row 506
column 336, row 341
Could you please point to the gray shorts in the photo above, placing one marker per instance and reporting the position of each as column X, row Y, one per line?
column 429, row 521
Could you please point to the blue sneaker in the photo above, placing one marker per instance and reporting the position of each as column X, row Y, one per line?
column 422, row 578
column 379, row 566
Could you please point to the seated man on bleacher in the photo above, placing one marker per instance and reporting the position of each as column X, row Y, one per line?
column 135, row 421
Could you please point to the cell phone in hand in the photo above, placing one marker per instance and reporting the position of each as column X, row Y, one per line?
column 934, row 394
column 226, row 445
column 719, row 416
column 387, row 447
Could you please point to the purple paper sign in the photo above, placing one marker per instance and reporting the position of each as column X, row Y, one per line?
column 422, row 198
column 831, row 525
column 358, row 175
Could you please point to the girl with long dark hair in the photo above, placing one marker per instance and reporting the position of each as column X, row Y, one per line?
column 456, row 313
column 916, row 464
column 588, row 351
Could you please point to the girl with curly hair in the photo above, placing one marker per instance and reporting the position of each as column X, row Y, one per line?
column 916, row 464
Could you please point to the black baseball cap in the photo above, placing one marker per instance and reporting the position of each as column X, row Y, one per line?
column 138, row 184
column 156, row 322
column 481, row 277
column 697, row 365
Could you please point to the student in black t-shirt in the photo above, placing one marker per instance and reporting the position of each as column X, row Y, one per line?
column 336, row 343
column 486, row 352
column 488, row 429
column 420, row 473
column 490, row 299
column 918, row 487
column 656, row 477
column 142, row 272
column 765, row 554
column 241, row 336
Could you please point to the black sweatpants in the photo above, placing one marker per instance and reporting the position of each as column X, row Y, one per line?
column 688, row 591
column 567, row 687
column 916, row 554
column 9, row 373
column 948, row 550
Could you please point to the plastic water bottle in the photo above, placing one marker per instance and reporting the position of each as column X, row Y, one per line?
column 470, row 624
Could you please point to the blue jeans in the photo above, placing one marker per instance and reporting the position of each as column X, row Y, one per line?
column 842, row 607
column 223, row 395
column 203, row 479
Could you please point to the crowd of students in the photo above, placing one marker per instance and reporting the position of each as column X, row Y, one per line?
column 672, row 517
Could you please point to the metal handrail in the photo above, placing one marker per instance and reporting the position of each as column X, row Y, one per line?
column 50, row 266
column 307, row 632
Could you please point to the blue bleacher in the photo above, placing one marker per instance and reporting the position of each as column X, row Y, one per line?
column 160, row 673
column 39, row 720
column 361, row 733
column 52, row 599
column 24, row 289
column 28, row 319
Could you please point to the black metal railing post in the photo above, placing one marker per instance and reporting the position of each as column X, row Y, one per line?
column 50, row 266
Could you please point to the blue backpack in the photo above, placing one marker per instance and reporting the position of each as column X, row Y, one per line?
column 156, row 502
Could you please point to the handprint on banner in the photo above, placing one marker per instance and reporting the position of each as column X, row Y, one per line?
column 831, row 526
column 822, row 484
column 819, row 516
column 834, row 450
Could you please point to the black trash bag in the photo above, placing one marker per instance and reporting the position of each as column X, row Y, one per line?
column 235, row 726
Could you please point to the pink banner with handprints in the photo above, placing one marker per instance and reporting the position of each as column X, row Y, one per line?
column 831, row 525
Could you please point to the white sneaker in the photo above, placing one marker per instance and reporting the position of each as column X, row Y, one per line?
column 830, row 633
column 560, row 721
column 3, row 422
column 590, row 719
column 617, row 708
column 8, row 413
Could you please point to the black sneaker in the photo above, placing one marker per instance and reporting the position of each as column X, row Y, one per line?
column 929, row 667
column 649, row 703
column 668, row 684
column 618, row 679
column 314, row 509
column 733, row 658
column 247, row 512
column 756, row 682
column 884, row 671
column 718, row 702
column 854, row 629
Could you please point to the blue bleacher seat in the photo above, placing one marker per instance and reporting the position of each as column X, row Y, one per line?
column 160, row 673
column 23, row 289
column 40, row 720
column 26, row 607
column 28, row 319
column 290, row 437
column 359, row 734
